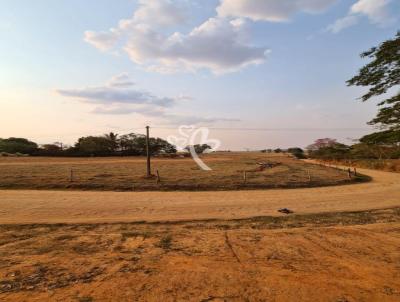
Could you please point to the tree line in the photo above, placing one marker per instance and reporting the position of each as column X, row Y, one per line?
column 110, row 144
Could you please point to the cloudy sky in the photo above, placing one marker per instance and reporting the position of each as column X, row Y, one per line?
column 259, row 73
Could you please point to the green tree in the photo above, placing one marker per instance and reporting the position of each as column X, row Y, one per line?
column 199, row 148
column 382, row 75
column 17, row 145
column 327, row 148
column 113, row 140
column 94, row 146
column 135, row 144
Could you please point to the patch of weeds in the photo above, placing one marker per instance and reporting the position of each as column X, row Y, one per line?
column 165, row 242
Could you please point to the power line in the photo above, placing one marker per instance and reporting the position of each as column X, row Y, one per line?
column 270, row 129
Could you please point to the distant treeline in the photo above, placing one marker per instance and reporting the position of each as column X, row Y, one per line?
column 106, row 145
column 380, row 146
column 369, row 147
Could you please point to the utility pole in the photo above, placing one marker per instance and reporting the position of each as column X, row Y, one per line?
column 148, row 151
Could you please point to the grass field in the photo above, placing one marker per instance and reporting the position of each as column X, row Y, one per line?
column 127, row 174
column 318, row 257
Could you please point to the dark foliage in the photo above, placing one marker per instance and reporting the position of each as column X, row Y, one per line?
column 106, row 145
column 17, row 145
column 199, row 149
column 381, row 75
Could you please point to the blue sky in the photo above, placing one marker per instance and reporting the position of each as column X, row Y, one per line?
column 73, row 68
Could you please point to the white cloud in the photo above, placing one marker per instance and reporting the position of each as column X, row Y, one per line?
column 270, row 10
column 342, row 23
column 160, row 12
column 103, row 40
column 218, row 44
column 377, row 11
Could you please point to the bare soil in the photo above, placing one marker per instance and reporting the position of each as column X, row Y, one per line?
column 341, row 244
column 316, row 257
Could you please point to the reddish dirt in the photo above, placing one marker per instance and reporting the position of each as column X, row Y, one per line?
column 321, row 257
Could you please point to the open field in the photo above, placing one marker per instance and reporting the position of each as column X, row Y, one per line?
column 127, row 174
column 316, row 257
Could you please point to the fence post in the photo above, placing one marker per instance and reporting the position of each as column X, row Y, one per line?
column 71, row 175
column 309, row 175
column 158, row 177
column 245, row 177
column 355, row 171
column 349, row 171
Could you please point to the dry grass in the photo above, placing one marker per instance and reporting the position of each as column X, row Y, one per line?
column 318, row 257
column 127, row 174
column 390, row 165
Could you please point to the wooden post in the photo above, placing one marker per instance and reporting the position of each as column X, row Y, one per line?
column 71, row 175
column 158, row 177
column 245, row 177
column 309, row 175
column 355, row 171
column 148, row 151
column 349, row 171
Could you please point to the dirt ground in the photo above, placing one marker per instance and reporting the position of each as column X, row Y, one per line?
column 341, row 244
column 127, row 173
column 19, row 206
column 315, row 257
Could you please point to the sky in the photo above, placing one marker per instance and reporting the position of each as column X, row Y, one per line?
column 258, row 73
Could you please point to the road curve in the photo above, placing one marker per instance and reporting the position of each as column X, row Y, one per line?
column 29, row 206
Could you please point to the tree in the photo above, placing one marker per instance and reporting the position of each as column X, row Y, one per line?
column 386, row 144
column 113, row 140
column 322, row 143
column 17, row 145
column 135, row 144
column 381, row 75
column 199, row 149
column 328, row 148
column 94, row 146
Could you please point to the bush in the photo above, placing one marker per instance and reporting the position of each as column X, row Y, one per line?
column 297, row 152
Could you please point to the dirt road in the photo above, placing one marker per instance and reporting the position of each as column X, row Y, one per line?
column 22, row 206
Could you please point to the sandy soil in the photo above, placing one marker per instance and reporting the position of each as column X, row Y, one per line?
column 77, row 207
